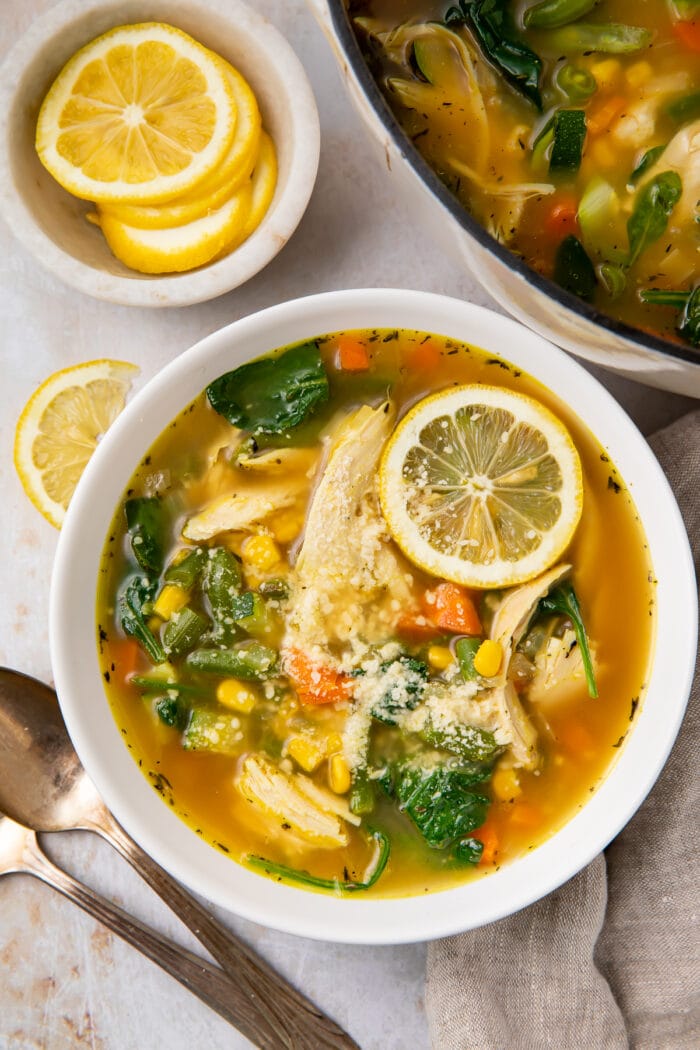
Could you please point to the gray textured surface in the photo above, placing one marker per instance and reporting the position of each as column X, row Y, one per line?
column 65, row 982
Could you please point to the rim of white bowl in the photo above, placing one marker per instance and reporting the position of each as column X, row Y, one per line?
column 285, row 211
column 165, row 836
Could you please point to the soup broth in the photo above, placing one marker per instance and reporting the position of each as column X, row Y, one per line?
column 604, row 148
column 207, row 555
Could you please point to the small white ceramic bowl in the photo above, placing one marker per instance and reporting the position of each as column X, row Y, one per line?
column 140, row 809
column 51, row 224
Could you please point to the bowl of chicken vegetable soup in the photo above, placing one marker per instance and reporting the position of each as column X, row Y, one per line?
column 362, row 629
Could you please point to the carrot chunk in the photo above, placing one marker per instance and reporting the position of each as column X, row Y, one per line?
column 423, row 358
column 601, row 118
column 315, row 683
column 124, row 655
column 451, row 609
column 689, row 34
column 488, row 837
column 416, row 627
column 562, row 219
column 352, row 354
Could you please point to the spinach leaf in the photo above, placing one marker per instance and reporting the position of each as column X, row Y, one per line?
column 652, row 208
column 573, row 270
column 469, row 742
column 172, row 711
column 345, row 886
column 440, row 802
column 273, row 394
column 145, row 522
column 563, row 600
column 687, row 302
column 468, row 851
column 137, row 591
column 496, row 35
column 646, row 163
column 405, row 677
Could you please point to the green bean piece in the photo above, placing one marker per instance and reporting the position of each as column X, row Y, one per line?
column 613, row 278
column 214, row 730
column 150, row 685
column 187, row 571
column 222, row 583
column 582, row 37
column 465, row 651
column 183, row 631
column 361, row 799
column 578, row 84
column 665, row 297
column 146, row 527
column 249, row 661
column 550, row 14
column 342, row 885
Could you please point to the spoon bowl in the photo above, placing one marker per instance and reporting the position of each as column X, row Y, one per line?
column 43, row 783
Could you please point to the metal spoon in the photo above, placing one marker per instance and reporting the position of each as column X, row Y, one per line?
column 20, row 852
column 44, row 786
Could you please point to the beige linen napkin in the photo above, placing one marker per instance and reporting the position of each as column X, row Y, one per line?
column 611, row 960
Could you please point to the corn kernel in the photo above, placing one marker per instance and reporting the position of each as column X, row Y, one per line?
column 607, row 72
column 236, row 695
column 639, row 73
column 306, row 752
column 154, row 624
column 440, row 657
column 170, row 600
column 487, row 661
column 261, row 553
column 286, row 525
column 334, row 743
column 505, row 784
column 338, row 775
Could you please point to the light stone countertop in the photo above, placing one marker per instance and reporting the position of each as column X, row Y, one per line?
column 66, row 982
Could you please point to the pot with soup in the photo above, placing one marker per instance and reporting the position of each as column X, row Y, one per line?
column 375, row 613
column 557, row 142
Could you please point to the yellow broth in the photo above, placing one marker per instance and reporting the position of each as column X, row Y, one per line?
column 484, row 156
column 579, row 740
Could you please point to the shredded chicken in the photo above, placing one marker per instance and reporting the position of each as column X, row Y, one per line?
column 559, row 671
column 287, row 799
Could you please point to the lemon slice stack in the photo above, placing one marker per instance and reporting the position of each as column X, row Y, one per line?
column 166, row 138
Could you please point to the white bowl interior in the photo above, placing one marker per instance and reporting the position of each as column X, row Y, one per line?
column 51, row 223
column 139, row 808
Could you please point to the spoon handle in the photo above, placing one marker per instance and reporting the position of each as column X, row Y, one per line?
column 200, row 977
column 271, row 1012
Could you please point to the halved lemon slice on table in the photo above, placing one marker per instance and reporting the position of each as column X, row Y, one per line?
column 481, row 485
column 142, row 113
column 60, row 427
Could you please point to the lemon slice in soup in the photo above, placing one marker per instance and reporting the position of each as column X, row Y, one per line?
column 481, row 485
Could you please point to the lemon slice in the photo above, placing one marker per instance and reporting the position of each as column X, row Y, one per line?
column 481, row 486
column 60, row 426
column 235, row 167
column 178, row 248
column 263, row 185
column 142, row 113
